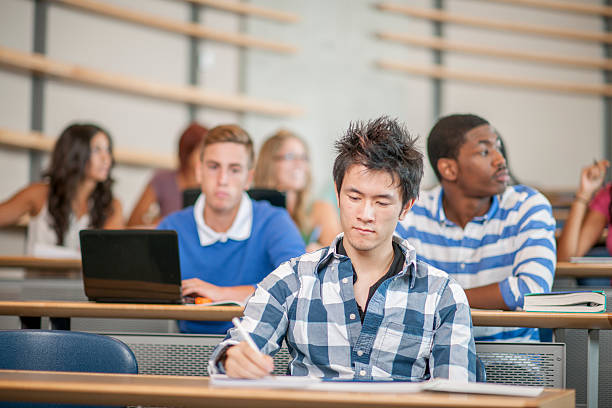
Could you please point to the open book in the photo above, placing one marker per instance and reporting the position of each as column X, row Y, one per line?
column 382, row 385
column 201, row 301
column 579, row 301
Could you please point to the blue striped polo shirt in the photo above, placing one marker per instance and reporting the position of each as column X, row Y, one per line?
column 513, row 244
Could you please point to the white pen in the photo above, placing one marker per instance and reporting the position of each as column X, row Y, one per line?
column 244, row 334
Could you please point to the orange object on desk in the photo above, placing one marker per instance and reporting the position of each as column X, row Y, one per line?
column 202, row 300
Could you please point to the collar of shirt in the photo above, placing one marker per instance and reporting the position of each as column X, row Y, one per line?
column 441, row 216
column 407, row 249
column 239, row 230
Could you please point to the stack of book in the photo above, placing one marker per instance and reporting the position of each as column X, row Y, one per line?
column 579, row 301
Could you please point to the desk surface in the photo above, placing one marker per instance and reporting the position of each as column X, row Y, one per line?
column 579, row 270
column 225, row 313
column 38, row 263
column 542, row 319
column 118, row 310
column 124, row 389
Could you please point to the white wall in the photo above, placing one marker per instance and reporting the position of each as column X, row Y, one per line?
column 549, row 135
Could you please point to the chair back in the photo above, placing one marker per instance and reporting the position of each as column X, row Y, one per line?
column 58, row 350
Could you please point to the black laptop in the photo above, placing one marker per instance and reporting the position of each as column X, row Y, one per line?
column 131, row 266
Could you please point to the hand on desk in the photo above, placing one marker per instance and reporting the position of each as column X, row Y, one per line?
column 198, row 288
column 241, row 361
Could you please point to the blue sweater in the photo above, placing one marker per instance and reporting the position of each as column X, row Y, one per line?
column 274, row 239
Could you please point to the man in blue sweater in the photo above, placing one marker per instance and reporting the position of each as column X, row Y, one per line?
column 227, row 242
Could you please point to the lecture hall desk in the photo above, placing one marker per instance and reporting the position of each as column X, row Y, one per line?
column 122, row 389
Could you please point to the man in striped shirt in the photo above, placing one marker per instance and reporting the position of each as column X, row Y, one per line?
column 496, row 240
column 364, row 307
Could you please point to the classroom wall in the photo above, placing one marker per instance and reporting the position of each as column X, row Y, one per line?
column 333, row 77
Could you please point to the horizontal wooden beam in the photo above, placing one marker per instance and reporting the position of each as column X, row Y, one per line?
column 568, row 6
column 249, row 10
column 38, row 141
column 190, row 29
column 454, row 46
column 445, row 73
column 446, row 17
column 39, row 263
column 186, row 94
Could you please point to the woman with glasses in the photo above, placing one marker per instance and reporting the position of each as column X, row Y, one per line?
column 283, row 164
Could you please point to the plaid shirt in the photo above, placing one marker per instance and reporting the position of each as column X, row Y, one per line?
column 417, row 324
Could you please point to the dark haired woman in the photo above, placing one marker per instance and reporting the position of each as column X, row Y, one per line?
column 75, row 194
column 587, row 218
column 163, row 194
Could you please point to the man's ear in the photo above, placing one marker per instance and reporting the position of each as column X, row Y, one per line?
column 337, row 195
column 448, row 169
column 198, row 171
column 249, row 181
column 406, row 208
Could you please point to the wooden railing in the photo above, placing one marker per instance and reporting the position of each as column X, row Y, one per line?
column 190, row 29
column 446, row 17
column 445, row 73
column 494, row 52
column 187, row 94
column 248, row 9
column 571, row 6
column 37, row 141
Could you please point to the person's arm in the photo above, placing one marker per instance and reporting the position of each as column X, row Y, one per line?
column 198, row 287
column 142, row 207
column 28, row 201
column 533, row 267
column 115, row 221
column 325, row 216
column 453, row 353
column 579, row 234
column 265, row 319
column 486, row 297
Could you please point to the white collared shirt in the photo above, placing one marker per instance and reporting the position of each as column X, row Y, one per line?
column 239, row 230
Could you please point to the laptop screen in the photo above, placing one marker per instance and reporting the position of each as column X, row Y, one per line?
column 131, row 265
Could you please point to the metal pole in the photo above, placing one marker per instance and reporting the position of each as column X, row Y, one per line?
column 438, row 60
column 38, row 85
column 194, row 59
column 592, row 368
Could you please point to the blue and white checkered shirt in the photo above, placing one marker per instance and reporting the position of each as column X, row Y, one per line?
column 417, row 324
column 513, row 244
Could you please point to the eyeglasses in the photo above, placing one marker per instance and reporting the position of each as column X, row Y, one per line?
column 292, row 157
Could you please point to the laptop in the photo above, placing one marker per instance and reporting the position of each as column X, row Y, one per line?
column 274, row 197
column 131, row 266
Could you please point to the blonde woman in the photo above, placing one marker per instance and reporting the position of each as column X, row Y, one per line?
column 283, row 164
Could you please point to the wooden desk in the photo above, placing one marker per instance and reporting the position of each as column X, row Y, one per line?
column 589, row 321
column 122, row 389
column 39, row 263
column 592, row 322
column 584, row 270
column 117, row 310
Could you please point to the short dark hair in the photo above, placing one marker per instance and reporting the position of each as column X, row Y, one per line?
column 381, row 144
column 447, row 136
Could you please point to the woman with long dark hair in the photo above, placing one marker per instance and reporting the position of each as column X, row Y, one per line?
column 587, row 218
column 75, row 193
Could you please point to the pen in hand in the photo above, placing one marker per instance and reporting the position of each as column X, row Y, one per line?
column 244, row 334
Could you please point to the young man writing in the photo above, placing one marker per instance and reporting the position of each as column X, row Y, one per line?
column 364, row 307
column 496, row 241
column 227, row 242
